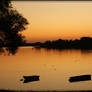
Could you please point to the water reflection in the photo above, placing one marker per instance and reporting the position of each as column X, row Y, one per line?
column 86, row 51
column 13, row 50
column 54, row 67
column 1, row 50
column 8, row 50
column 83, row 51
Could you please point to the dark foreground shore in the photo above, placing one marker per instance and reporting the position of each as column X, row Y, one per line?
column 46, row 91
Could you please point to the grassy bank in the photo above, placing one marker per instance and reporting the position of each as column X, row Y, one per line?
column 46, row 91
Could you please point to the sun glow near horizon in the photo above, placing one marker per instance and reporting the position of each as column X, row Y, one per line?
column 53, row 20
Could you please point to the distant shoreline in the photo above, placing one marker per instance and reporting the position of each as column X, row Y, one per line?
column 85, row 43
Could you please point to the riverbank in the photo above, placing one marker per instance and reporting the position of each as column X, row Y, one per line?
column 46, row 91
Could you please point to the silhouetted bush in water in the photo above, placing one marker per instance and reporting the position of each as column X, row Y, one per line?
column 84, row 43
column 11, row 24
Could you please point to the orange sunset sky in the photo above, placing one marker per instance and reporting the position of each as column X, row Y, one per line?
column 51, row 20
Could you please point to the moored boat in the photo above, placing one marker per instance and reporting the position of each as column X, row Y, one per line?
column 80, row 78
column 31, row 78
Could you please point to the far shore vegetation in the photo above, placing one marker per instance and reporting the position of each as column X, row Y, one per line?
column 83, row 43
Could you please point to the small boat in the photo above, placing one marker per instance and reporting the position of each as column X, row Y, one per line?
column 80, row 78
column 31, row 78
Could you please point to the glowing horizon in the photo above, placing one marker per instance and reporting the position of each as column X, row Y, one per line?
column 54, row 20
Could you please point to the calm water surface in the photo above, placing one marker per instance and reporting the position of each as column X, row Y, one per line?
column 54, row 67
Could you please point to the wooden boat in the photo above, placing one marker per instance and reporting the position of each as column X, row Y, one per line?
column 80, row 78
column 31, row 78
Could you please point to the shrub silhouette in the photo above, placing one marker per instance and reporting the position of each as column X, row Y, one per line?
column 11, row 25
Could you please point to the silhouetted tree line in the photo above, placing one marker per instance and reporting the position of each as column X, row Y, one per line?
column 11, row 25
column 83, row 43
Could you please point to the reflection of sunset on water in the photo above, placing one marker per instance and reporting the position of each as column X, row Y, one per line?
column 53, row 66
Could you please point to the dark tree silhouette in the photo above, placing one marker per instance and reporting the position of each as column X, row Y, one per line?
column 11, row 25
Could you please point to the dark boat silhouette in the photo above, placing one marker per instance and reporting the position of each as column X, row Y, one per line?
column 31, row 78
column 80, row 78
